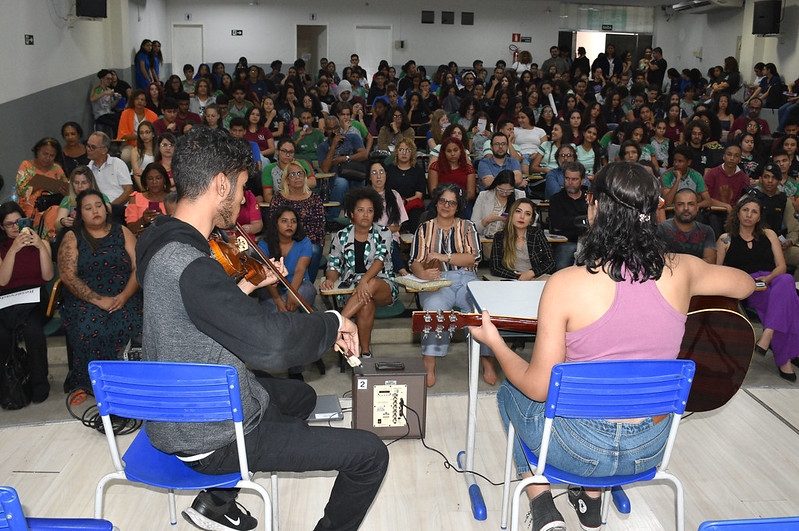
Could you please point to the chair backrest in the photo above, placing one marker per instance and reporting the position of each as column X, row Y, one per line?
column 11, row 516
column 166, row 392
column 619, row 389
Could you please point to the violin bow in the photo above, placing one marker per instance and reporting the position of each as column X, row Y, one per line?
column 283, row 280
column 351, row 359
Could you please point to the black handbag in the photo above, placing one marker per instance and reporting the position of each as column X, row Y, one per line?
column 352, row 170
column 15, row 381
column 45, row 201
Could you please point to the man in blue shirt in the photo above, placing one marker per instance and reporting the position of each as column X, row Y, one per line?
column 499, row 160
column 336, row 151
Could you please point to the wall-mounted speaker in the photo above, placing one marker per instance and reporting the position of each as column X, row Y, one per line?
column 766, row 20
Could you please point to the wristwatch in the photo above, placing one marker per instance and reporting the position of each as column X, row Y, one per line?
column 347, row 158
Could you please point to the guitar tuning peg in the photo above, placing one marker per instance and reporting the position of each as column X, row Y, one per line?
column 452, row 317
column 452, row 329
column 427, row 317
column 440, row 315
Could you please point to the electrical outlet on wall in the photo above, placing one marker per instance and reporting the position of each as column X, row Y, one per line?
column 28, row 40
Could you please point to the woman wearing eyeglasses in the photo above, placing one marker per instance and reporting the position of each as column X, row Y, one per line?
column 394, row 130
column 295, row 192
column 272, row 174
column 165, row 152
column 446, row 247
column 25, row 262
column 492, row 206
column 409, row 180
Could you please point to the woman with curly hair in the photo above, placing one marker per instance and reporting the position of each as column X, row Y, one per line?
column 624, row 278
column 360, row 255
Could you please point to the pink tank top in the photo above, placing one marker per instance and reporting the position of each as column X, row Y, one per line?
column 640, row 324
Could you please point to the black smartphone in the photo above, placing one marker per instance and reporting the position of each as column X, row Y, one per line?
column 24, row 222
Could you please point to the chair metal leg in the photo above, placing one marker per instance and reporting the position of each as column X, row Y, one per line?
column 503, row 524
column 606, row 497
column 275, row 505
column 100, row 491
column 173, row 511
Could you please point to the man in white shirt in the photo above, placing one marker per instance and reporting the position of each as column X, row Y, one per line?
column 112, row 175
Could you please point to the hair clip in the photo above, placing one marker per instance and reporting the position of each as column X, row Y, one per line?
column 643, row 218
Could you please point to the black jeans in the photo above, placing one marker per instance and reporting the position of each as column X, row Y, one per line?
column 30, row 318
column 284, row 442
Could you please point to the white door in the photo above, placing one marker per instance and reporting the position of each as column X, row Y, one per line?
column 372, row 44
column 187, row 47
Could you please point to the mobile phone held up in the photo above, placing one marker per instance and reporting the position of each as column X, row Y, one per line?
column 23, row 223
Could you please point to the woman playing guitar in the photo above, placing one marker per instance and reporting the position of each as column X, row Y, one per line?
column 627, row 299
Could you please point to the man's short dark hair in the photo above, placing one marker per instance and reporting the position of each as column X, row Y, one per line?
column 685, row 151
column 238, row 86
column 657, row 49
column 502, row 123
column 222, row 99
column 182, row 96
column 237, row 121
column 573, row 166
column 203, row 153
column 169, row 104
column 688, row 191
column 102, row 73
column 188, row 66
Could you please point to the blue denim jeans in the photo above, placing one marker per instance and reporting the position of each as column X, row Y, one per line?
column 446, row 298
column 587, row 447
column 564, row 254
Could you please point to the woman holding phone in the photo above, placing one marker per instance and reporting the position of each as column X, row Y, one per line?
column 145, row 206
column 25, row 262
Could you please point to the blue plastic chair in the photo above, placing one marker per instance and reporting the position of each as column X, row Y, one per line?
column 12, row 518
column 606, row 390
column 788, row 523
column 171, row 392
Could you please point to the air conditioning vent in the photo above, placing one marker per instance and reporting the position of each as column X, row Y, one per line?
column 703, row 6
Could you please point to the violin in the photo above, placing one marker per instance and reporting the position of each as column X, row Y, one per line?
column 239, row 264
column 236, row 263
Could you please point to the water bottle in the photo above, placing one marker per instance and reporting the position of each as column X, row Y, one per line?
column 14, row 196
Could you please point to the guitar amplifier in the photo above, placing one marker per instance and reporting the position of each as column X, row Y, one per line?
column 380, row 386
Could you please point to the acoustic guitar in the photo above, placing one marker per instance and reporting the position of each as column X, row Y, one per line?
column 718, row 338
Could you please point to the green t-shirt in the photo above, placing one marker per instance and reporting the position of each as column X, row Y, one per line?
column 272, row 175
column 306, row 148
column 692, row 180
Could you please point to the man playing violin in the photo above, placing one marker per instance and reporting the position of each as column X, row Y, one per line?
column 186, row 290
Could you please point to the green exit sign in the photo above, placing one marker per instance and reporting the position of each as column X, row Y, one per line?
column 236, row 33
column 607, row 27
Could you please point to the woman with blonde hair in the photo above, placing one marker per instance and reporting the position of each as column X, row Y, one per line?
column 438, row 122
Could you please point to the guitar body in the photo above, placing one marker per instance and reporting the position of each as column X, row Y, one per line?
column 718, row 338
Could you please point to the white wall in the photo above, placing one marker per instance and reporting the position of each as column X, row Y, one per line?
column 146, row 20
column 269, row 28
column 60, row 53
column 716, row 34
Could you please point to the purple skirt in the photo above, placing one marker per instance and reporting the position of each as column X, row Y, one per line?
column 778, row 309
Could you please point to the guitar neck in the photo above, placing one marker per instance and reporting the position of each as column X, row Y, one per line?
column 426, row 322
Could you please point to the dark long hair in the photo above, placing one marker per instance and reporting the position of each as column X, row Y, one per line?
column 78, row 226
column 623, row 234
column 272, row 239
column 733, row 225
column 389, row 199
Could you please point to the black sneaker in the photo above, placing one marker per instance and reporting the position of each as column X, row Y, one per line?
column 205, row 514
column 546, row 516
column 589, row 510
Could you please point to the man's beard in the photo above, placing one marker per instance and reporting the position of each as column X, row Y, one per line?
column 225, row 214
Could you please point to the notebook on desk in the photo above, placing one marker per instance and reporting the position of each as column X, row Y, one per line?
column 327, row 408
